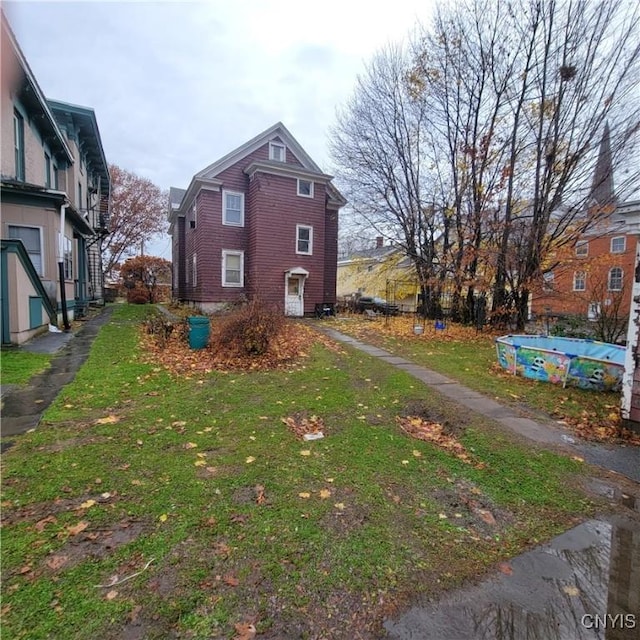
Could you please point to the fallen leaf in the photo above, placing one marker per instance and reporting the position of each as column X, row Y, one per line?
column 111, row 595
column 110, row 419
column 245, row 631
column 163, row 517
column 41, row 524
column 55, row 562
column 78, row 528
column 305, row 452
column 339, row 506
column 304, row 494
column 87, row 504
column 571, row 590
column 250, row 459
column 231, row 580
column 417, row 453
column 405, row 462
column 190, row 445
column 200, row 463
column 505, row 568
column 325, row 493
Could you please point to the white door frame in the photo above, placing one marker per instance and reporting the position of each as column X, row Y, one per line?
column 302, row 275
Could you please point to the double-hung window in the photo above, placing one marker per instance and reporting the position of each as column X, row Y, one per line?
column 232, row 268
column 233, row 208
column 582, row 248
column 304, row 239
column 67, row 253
column 32, row 240
column 618, row 244
column 615, row 279
column 580, row 281
column 18, row 144
column 194, row 269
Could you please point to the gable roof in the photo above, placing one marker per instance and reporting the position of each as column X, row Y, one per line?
column 278, row 130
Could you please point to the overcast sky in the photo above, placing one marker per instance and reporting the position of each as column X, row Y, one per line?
column 176, row 85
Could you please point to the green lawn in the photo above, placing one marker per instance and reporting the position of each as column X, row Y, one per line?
column 470, row 358
column 17, row 366
column 197, row 509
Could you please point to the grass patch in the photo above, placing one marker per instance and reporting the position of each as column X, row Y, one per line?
column 469, row 357
column 17, row 366
column 242, row 521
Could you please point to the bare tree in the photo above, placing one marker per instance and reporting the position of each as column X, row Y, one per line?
column 137, row 215
column 378, row 148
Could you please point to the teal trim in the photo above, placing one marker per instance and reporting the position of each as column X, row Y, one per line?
column 82, row 290
column 35, row 312
column 4, row 298
column 16, row 246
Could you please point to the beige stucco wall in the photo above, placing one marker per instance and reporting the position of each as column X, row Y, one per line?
column 48, row 221
column 19, row 320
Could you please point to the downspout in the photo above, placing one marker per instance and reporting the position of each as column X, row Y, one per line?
column 63, row 293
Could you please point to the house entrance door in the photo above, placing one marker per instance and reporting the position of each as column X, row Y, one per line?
column 294, row 297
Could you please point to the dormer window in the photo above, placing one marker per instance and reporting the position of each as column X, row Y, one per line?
column 277, row 152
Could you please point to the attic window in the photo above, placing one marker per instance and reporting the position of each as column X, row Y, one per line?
column 277, row 152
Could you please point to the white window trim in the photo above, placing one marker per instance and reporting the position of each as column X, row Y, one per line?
column 609, row 287
column 231, row 252
column 194, row 269
column 280, row 145
column 225, row 193
column 194, row 215
column 581, row 244
column 583, row 279
column 304, row 226
column 624, row 244
column 305, row 195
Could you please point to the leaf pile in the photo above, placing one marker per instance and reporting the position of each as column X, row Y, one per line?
column 434, row 432
column 291, row 344
column 302, row 425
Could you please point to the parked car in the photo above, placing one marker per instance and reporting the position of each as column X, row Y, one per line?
column 378, row 305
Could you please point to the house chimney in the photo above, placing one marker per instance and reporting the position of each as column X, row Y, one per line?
column 379, row 242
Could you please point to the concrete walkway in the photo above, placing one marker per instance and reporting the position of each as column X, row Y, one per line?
column 618, row 458
column 23, row 406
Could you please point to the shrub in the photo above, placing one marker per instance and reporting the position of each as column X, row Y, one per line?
column 250, row 329
column 137, row 295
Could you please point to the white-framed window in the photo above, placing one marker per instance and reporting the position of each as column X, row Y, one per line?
column 194, row 269
column 305, row 188
column 582, row 248
column 548, row 279
column 194, row 215
column 618, row 244
column 593, row 313
column 233, row 208
column 232, row 268
column 32, row 240
column 579, row 281
column 615, row 279
column 304, row 239
column 67, row 256
column 277, row 151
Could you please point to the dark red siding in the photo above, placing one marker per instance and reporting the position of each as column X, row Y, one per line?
column 268, row 238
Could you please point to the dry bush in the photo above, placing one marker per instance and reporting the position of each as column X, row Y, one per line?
column 137, row 295
column 250, row 329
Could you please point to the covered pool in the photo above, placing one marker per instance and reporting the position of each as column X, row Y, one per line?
column 587, row 364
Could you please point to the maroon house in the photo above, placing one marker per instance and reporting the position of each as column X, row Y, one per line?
column 261, row 221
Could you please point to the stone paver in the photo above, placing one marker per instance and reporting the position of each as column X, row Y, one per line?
column 621, row 459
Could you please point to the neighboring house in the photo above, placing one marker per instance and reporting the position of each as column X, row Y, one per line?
column 54, row 191
column 596, row 273
column 382, row 271
column 260, row 222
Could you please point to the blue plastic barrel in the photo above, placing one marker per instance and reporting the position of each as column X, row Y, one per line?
column 198, row 332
